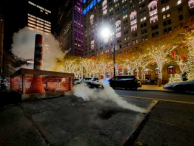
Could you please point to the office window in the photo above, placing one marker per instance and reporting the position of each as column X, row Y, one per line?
column 144, row 31
column 144, row 38
column 164, row 23
column 169, row 21
column 134, row 35
column 154, row 27
column 191, row 3
column 171, row 69
column 180, row 9
column 155, row 34
column 163, row 9
column 164, row 16
column 178, row 2
column 180, row 17
column 168, row 15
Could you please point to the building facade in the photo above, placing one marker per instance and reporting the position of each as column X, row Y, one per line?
column 69, row 27
column 39, row 16
column 34, row 14
column 1, row 42
column 131, row 22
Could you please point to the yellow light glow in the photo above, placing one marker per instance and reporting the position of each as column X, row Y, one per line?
column 30, row 18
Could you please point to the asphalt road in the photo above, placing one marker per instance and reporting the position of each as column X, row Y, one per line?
column 170, row 123
column 158, row 95
column 70, row 121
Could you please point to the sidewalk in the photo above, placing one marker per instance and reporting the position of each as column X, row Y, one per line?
column 152, row 87
column 69, row 121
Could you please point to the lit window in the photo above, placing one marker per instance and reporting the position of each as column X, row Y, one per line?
column 142, row 19
column 191, row 3
column 118, row 34
column 178, row 2
column 154, row 19
column 156, row 71
column 164, row 16
column 168, row 15
column 163, row 9
column 167, row 7
column 32, row 22
column 91, row 19
column 105, row 12
column 134, row 27
column 147, row 72
column 133, row 15
column 171, row 69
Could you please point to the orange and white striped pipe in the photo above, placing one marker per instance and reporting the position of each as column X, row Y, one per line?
column 38, row 53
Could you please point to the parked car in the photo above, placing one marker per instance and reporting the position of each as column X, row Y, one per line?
column 92, row 82
column 181, row 87
column 127, row 82
column 76, row 81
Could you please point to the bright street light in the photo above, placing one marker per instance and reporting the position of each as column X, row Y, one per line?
column 105, row 32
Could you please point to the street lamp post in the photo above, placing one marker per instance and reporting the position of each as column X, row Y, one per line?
column 105, row 33
column 114, row 57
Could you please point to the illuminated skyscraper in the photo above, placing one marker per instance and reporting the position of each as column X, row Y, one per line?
column 69, row 27
column 35, row 14
column 131, row 22
column 39, row 16
column 1, row 42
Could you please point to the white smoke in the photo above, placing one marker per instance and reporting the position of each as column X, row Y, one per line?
column 24, row 45
column 83, row 91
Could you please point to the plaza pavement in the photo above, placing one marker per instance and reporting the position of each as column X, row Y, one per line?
column 70, row 121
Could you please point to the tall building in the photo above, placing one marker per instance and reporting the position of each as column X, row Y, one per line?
column 1, row 42
column 69, row 26
column 131, row 22
column 34, row 14
column 39, row 15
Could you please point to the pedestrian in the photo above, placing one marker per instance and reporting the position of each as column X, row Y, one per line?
column 184, row 76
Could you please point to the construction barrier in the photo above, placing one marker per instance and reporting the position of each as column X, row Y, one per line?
column 37, row 83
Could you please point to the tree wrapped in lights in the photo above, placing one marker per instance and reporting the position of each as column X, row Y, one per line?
column 186, row 38
column 104, row 64
column 159, row 51
column 128, row 61
column 143, row 63
column 174, row 78
column 190, row 67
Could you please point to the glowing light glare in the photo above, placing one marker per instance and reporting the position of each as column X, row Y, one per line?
column 105, row 32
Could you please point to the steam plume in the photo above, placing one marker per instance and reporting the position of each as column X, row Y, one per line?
column 83, row 91
column 24, row 44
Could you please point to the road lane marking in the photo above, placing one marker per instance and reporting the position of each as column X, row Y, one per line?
column 176, row 101
column 154, row 102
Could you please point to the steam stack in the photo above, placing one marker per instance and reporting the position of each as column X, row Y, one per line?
column 38, row 53
column 37, row 84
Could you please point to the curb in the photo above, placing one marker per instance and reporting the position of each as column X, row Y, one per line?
column 136, row 132
column 152, row 90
